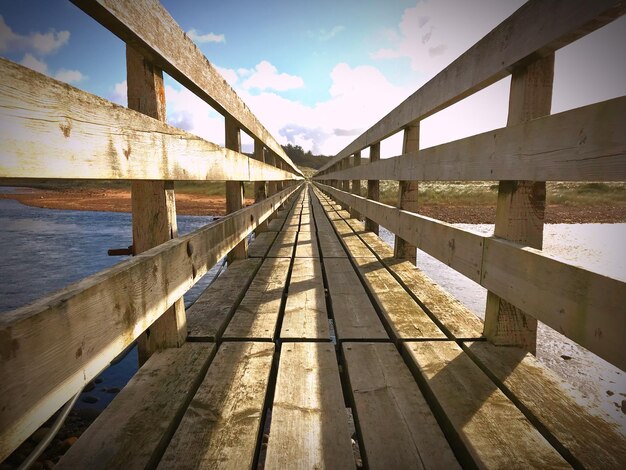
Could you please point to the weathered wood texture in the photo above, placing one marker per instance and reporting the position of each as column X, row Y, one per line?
column 142, row 23
column 305, row 309
column 373, row 187
column 521, row 206
column 98, row 318
column 234, row 189
column 592, row 442
column 493, row 431
column 536, row 30
column 306, row 246
column 397, row 425
column 257, row 314
column 164, row 386
column 355, row 185
column 153, row 204
column 209, row 315
column 587, row 307
column 583, row 144
column 52, row 130
column 353, row 313
column 407, row 194
column 309, row 420
column 261, row 244
column 283, row 245
column 221, row 426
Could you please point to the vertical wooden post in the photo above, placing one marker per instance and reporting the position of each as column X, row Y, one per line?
column 272, row 186
column 373, row 187
column 521, row 205
column 260, row 191
column 356, row 186
column 153, row 203
column 344, row 185
column 234, row 189
column 407, row 194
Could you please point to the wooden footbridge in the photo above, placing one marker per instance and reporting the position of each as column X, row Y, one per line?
column 319, row 346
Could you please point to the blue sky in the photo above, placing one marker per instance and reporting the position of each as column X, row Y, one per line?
column 317, row 73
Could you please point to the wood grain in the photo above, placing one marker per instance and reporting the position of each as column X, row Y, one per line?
column 397, row 425
column 305, row 316
column 221, row 426
column 148, row 408
column 494, row 432
column 261, row 244
column 209, row 315
column 309, row 420
column 257, row 314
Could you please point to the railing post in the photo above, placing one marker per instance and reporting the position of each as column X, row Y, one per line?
column 407, row 194
column 260, row 187
column 373, row 188
column 521, row 205
column 234, row 189
column 356, row 185
column 153, row 203
column 344, row 185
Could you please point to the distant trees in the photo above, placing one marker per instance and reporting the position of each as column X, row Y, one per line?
column 302, row 158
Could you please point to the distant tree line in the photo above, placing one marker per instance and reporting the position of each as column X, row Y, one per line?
column 302, row 158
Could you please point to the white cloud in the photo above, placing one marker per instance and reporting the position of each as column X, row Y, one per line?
column 119, row 94
column 32, row 62
column 195, row 36
column 266, row 77
column 39, row 43
column 327, row 35
column 435, row 32
column 69, row 76
column 229, row 75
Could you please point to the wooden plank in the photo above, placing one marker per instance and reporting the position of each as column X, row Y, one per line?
column 210, row 313
column 492, row 430
column 305, row 309
column 148, row 408
column 592, row 441
column 153, row 204
column 283, row 245
column 221, row 426
column 455, row 317
column 537, row 29
column 142, row 23
column 330, row 245
column 275, row 225
column 257, row 314
column 306, row 247
column 353, row 313
column 52, row 130
column 407, row 194
column 521, row 205
column 309, row 420
column 587, row 307
column 544, row 149
column 397, row 425
column 403, row 315
column 98, row 317
column 261, row 244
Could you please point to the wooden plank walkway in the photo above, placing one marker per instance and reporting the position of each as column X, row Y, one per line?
column 323, row 351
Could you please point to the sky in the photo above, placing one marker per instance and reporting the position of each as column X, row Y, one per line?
column 316, row 73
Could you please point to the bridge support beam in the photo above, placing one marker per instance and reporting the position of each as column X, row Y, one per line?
column 260, row 187
column 521, row 205
column 407, row 194
column 234, row 189
column 153, row 203
column 373, row 187
column 356, row 185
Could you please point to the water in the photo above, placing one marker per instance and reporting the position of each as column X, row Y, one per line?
column 596, row 247
column 45, row 250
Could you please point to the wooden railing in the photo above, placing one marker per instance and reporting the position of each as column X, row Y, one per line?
column 585, row 144
column 50, row 349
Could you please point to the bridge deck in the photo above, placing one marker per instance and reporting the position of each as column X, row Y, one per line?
column 321, row 350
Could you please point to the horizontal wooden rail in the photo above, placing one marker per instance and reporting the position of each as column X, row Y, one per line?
column 536, row 30
column 149, row 28
column 49, row 129
column 587, row 307
column 584, row 144
column 50, row 349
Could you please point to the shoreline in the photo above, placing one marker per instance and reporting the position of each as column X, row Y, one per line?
column 118, row 200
